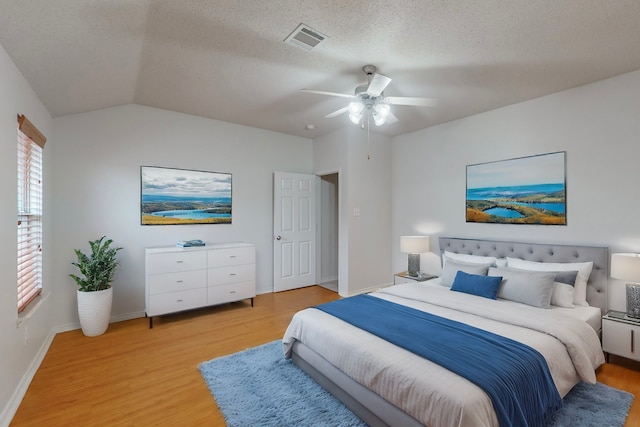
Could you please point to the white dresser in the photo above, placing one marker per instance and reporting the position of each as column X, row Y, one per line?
column 178, row 279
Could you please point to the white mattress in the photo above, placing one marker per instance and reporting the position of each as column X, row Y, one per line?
column 590, row 315
column 437, row 397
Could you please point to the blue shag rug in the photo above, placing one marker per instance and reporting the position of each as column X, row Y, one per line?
column 258, row 387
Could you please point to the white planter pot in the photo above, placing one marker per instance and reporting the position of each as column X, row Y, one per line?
column 94, row 310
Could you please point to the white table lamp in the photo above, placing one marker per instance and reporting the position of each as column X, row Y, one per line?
column 414, row 246
column 626, row 266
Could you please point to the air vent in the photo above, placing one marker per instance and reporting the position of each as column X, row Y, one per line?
column 305, row 37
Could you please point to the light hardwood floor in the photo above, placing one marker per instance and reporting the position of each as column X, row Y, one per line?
column 134, row 376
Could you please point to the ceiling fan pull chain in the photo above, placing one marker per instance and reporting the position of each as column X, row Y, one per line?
column 368, row 137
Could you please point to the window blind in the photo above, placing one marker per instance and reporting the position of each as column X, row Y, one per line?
column 29, row 254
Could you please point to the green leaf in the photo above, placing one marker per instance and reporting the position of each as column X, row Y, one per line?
column 98, row 268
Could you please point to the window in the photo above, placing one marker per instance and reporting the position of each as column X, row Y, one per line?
column 30, row 145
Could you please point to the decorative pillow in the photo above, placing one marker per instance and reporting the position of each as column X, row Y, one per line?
column 583, row 268
column 471, row 259
column 563, row 284
column 501, row 262
column 482, row 286
column 452, row 267
column 528, row 287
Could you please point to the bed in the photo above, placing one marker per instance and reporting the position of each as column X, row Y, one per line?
column 387, row 385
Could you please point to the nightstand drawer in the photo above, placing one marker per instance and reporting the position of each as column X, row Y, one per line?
column 398, row 280
column 622, row 339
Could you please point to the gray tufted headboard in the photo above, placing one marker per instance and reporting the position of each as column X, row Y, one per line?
column 540, row 252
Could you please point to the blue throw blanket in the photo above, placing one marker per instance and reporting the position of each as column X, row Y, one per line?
column 515, row 376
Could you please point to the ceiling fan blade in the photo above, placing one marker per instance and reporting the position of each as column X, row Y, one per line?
column 337, row 113
column 408, row 100
column 320, row 92
column 391, row 118
column 378, row 83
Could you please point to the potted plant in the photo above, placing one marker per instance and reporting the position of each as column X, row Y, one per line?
column 95, row 293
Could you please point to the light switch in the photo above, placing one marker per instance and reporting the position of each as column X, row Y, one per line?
column 356, row 211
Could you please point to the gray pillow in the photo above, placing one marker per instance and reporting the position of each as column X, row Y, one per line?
column 452, row 267
column 528, row 287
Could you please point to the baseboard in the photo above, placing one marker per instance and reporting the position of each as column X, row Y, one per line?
column 118, row 318
column 329, row 279
column 369, row 289
column 12, row 406
column 14, row 403
column 127, row 316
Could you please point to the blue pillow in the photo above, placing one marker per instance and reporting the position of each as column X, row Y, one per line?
column 566, row 277
column 482, row 286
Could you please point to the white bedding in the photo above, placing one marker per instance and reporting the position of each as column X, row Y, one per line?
column 590, row 315
column 428, row 392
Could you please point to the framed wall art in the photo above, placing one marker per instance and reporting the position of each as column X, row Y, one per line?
column 525, row 190
column 178, row 196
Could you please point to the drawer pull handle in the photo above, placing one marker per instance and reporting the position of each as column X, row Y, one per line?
column 179, row 300
column 232, row 292
column 632, row 341
column 232, row 274
column 179, row 262
column 178, row 281
column 232, row 256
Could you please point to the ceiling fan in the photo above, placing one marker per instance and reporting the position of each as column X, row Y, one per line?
column 369, row 98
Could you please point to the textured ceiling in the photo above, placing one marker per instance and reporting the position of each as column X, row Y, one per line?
column 227, row 59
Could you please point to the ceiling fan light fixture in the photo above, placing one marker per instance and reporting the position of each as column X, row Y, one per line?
column 382, row 109
column 380, row 113
column 378, row 119
column 356, row 108
column 355, row 118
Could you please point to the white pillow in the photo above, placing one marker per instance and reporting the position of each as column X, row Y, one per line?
column 451, row 268
column 563, row 289
column 471, row 259
column 528, row 287
column 583, row 269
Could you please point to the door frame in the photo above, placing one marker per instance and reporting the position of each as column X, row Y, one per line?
column 342, row 267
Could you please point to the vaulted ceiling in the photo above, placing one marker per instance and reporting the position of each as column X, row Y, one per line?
column 227, row 59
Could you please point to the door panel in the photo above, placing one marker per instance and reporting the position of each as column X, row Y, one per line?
column 294, row 226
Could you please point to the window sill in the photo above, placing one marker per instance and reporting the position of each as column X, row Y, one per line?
column 31, row 309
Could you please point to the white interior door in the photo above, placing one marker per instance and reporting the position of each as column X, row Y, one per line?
column 294, row 231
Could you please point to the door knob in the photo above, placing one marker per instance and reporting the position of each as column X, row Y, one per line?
column 278, row 237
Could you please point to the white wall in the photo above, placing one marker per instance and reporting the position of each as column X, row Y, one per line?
column 96, row 167
column 370, row 193
column 330, row 154
column 365, row 185
column 21, row 346
column 597, row 125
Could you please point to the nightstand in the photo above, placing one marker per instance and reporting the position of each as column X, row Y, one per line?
column 404, row 277
column 620, row 335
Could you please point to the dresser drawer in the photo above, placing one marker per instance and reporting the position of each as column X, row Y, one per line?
column 171, row 262
column 228, row 293
column 176, row 301
column 231, row 256
column 180, row 281
column 233, row 274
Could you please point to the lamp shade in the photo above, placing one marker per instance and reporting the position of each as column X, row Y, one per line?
column 625, row 266
column 414, row 244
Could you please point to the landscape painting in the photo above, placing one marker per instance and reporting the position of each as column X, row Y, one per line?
column 178, row 196
column 526, row 190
